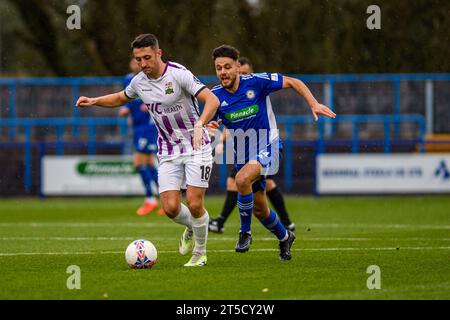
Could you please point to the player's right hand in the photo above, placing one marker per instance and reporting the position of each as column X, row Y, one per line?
column 84, row 102
column 197, row 141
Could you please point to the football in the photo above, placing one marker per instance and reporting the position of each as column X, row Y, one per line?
column 141, row 254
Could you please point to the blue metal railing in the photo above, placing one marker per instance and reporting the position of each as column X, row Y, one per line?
column 329, row 79
column 60, row 125
column 355, row 120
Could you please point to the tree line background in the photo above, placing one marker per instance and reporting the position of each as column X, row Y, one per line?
column 289, row 36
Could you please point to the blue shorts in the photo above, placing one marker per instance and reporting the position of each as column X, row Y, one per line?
column 270, row 160
column 145, row 142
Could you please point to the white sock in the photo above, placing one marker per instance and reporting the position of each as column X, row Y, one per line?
column 150, row 199
column 200, row 228
column 184, row 217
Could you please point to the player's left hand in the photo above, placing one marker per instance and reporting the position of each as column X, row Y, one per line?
column 143, row 107
column 213, row 126
column 320, row 109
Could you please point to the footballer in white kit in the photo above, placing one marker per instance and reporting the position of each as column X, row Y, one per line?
column 171, row 101
column 170, row 92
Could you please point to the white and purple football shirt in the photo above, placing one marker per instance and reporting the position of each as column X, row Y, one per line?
column 172, row 104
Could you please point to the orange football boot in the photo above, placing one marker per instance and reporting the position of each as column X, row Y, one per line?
column 147, row 207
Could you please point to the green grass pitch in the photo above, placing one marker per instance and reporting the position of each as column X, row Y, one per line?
column 338, row 238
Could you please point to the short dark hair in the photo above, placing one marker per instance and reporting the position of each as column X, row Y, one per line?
column 145, row 40
column 225, row 51
column 245, row 60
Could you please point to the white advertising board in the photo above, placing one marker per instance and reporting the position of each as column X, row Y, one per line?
column 90, row 175
column 383, row 174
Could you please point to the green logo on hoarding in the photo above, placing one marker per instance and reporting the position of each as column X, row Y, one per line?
column 106, row 168
column 242, row 113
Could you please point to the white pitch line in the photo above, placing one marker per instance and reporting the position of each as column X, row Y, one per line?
column 218, row 238
column 84, row 224
column 165, row 224
column 225, row 251
column 173, row 225
column 373, row 239
column 70, row 238
column 56, row 253
column 379, row 226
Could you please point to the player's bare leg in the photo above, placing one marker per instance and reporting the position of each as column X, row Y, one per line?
column 270, row 184
column 170, row 202
column 200, row 220
column 231, row 184
column 179, row 213
column 248, row 174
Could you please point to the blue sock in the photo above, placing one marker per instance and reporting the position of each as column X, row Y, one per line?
column 154, row 174
column 145, row 173
column 245, row 205
column 273, row 224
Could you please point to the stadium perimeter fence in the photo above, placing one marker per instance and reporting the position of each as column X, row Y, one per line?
column 376, row 114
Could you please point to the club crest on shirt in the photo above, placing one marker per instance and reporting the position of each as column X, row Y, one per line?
column 250, row 94
column 169, row 88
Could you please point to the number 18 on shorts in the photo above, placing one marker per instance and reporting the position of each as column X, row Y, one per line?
column 193, row 170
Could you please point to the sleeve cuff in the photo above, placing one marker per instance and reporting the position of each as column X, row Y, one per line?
column 199, row 90
column 125, row 93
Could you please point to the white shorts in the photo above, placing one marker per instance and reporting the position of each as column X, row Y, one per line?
column 193, row 170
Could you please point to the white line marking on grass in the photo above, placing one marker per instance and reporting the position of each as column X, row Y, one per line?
column 373, row 239
column 68, row 238
column 173, row 225
column 345, row 249
column 223, row 251
column 84, row 224
column 379, row 226
column 57, row 253
column 218, row 238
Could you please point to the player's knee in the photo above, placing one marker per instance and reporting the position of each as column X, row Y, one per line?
column 242, row 180
column 195, row 207
column 171, row 209
column 231, row 184
column 270, row 185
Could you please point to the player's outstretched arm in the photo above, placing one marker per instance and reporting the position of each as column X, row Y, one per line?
column 316, row 108
column 109, row 101
column 211, row 103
